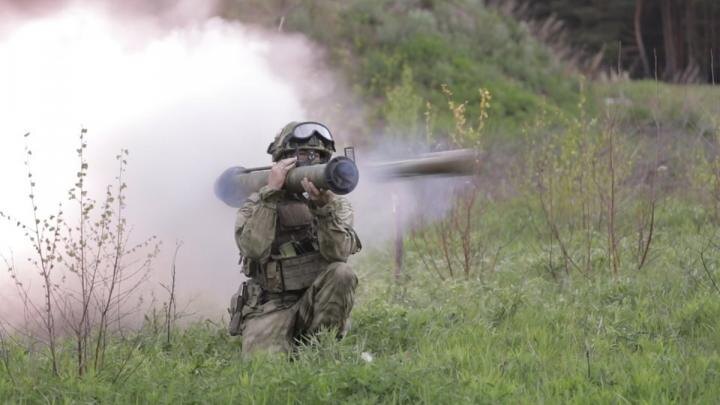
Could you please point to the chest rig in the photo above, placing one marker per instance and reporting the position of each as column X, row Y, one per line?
column 295, row 260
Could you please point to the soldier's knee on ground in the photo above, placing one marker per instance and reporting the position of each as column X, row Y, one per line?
column 342, row 274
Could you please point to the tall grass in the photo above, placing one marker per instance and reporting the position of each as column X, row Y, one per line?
column 515, row 336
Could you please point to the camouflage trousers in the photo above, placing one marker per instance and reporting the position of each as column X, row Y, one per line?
column 274, row 324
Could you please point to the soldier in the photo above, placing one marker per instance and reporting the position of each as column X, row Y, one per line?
column 294, row 249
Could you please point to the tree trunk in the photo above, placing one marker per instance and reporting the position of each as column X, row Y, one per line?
column 639, row 39
column 690, row 39
column 668, row 44
column 713, row 42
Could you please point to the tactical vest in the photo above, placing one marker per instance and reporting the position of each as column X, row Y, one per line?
column 295, row 261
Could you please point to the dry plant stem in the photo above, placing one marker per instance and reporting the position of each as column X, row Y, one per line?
column 468, row 201
column 455, row 231
column 399, row 238
column 653, row 175
column 171, row 311
column 115, row 275
column 46, row 266
column 589, row 236
column 587, row 358
column 86, row 282
column 496, row 256
column 548, row 212
column 613, row 255
column 88, row 262
column 425, row 257
column 567, row 258
column 445, row 245
column 707, row 271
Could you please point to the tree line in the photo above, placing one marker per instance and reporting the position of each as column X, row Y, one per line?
column 677, row 39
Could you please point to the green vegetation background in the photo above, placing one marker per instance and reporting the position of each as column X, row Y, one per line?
column 523, row 329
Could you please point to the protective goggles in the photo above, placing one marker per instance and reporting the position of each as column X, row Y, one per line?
column 305, row 130
column 310, row 134
column 305, row 135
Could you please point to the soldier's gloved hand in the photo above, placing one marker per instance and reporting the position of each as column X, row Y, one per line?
column 279, row 172
column 319, row 197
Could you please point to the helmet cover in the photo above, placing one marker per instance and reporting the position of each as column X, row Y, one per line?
column 301, row 135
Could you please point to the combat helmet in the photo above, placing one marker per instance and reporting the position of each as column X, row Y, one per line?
column 302, row 135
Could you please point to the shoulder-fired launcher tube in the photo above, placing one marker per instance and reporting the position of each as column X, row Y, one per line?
column 341, row 175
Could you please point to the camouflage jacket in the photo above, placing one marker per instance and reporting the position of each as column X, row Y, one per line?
column 257, row 219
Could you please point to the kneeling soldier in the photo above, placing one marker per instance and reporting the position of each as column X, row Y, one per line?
column 294, row 249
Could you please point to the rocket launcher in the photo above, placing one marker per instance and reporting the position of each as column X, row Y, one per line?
column 341, row 174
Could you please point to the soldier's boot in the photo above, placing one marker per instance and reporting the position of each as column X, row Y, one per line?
column 328, row 301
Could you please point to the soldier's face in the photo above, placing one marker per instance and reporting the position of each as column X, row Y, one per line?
column 307, row 157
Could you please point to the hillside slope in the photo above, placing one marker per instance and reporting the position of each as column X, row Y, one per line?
column 420, row 45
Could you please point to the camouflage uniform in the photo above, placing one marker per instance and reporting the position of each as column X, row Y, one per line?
column 294, row 255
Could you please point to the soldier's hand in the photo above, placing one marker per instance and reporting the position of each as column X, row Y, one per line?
column 279, row 172
column 319, row 197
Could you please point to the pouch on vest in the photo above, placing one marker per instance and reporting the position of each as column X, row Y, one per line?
column 250, row 268
column 301, row 271
column 237, row 302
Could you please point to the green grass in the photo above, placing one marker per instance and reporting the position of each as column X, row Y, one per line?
column 527, row 332
column 692, row 109
column 512, row 336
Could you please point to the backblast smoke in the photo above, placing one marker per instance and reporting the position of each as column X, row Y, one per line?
column 188, row 94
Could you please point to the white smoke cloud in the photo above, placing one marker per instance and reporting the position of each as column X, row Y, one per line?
column 188, row 98
column 189, row 95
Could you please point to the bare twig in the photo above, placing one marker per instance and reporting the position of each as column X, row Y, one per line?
column 555, row 233
column 45, row 264
column 445, row 245
column 171, row 310
column 707, row 271
column 653, row 175
column 428, row 262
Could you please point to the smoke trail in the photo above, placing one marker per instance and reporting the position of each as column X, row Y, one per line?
column 380, row 204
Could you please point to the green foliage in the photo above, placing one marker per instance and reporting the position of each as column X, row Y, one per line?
column 515, row 336
column 404, row 107
column 462, row 44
